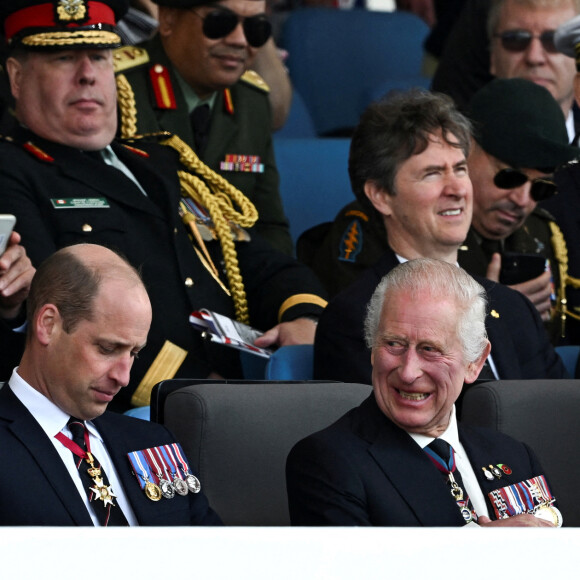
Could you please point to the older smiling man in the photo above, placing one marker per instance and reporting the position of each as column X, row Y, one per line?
column 401, row 458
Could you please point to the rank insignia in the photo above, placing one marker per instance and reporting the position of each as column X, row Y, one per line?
column 71, row 11
column 162, row 87
column 37, row 152
column 351, row 242
column 228, row 101
column 137, row 151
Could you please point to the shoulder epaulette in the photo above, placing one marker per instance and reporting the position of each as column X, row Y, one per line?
column 126, row 57
column 251, row 77
column 162, row 87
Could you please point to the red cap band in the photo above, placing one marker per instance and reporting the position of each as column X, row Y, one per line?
column 42, row 16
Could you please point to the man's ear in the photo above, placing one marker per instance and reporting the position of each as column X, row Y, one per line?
column 474, row 368
column 380, row 199
column 14, row 70
column 167, row 17
column 47, row 324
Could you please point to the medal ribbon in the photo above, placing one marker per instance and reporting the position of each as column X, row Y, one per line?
column 520, row 498
column 72, row 446
column 166, row 468
column 139, row 469
column 179, row 453
column 438, row 461
column 168, row 455
column 155, row 469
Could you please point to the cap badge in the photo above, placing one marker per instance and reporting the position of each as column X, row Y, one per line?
column 71, row 10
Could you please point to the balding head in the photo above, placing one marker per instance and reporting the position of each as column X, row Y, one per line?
column 70, row 279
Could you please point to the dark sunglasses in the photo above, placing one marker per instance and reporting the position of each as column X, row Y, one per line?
column 542, row 187
column 519, row 40
column 221, row 22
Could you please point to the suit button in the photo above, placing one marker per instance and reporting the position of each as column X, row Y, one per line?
column 189, row 282
column 175, row 231
column 87, row 228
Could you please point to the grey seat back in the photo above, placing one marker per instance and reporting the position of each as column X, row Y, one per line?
column 238, row 435
column 544, row 414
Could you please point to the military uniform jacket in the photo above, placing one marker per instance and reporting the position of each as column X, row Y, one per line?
column 149, row 232
column 37, row 490
column 247, row 130
column 519, row 344
column 364, row 470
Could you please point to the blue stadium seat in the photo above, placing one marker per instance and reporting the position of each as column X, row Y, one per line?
column 314, row 182
column 291, row 363
column 337, row 56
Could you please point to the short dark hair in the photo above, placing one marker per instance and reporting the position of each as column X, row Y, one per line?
column 71, row 284
column 397, row 127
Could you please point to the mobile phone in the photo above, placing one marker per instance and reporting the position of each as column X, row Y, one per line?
column 517, row 268
column 7, row 223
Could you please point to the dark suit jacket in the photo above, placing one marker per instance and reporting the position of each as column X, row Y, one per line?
column 149, row 232
column 37, row 490
column 245, row 131
column 519, row 344
column 364, row 470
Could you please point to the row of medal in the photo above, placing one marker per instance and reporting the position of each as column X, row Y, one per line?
column 163, row 471
column 532, row 496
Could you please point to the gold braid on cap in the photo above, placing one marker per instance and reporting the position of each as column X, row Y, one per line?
column 216, row 195
column 561, row 254
column 127, row 106
column 71, row 38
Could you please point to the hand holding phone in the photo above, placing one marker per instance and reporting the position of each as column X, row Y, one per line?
column 7, row 223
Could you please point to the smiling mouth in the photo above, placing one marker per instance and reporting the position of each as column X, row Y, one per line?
column 451, row 212
column 413, row 396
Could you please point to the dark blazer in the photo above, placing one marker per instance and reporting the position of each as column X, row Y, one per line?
column 519, row 344
column 364, row 470
column 37, row 490
column 247, row 130
column 149, row 232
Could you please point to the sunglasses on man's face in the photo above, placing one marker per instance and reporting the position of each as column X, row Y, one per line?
column 519, row 40
column 542, row 187
column 220, row 22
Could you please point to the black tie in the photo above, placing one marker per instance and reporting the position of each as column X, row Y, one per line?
column 444, row 460
column 95, row 481
column 200, row 125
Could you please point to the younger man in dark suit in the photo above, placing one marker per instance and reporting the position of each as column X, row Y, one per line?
column 409, row 170
column 389, row 462
column 88, row 319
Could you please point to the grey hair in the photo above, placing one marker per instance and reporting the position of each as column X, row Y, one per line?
column 440, row 279
column 496, row 6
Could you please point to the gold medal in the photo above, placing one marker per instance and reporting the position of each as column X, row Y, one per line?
column 550, row 514
column 152, row 491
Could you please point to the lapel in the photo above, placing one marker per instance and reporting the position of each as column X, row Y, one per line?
column 50, row 466
column 80, row 168
column 223, row 130
column 503, row 350
column 407, row 467
column 482, row 452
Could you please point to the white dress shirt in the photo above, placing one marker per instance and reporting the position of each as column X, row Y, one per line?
column 451, row 436
column 53, row 420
